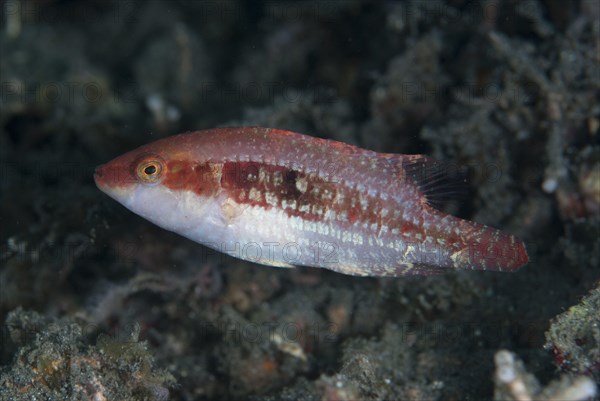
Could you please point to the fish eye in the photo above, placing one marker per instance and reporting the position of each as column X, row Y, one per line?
column 150, row 171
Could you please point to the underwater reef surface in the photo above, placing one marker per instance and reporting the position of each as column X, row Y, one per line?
column 97, row 303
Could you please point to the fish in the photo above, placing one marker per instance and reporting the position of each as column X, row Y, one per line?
column 285, row 199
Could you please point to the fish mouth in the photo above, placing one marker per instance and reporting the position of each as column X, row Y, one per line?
column 102, row 177
column 99, row 176
column 111, row 176
column 107, row 180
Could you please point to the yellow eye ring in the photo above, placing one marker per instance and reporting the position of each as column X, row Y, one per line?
column 150, row 171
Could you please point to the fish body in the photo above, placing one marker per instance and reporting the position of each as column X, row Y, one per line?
column 285, row 199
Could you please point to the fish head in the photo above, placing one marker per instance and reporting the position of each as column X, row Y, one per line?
column 164, row 184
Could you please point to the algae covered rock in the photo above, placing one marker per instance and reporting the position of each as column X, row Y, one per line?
column 53, row 361
column 574, row 337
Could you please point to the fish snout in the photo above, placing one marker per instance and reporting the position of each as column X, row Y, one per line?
column 111, row 176
column 100, row 176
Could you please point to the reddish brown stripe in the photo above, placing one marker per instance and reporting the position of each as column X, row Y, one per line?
column 185, row 175
column 271, row 186
column 298, row 194
column 245, row 176
column 303, row 195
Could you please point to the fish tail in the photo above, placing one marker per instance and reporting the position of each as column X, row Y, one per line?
column 487, row 248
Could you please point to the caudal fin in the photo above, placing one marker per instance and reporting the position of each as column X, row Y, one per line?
column 487, row 248
column 472, row 245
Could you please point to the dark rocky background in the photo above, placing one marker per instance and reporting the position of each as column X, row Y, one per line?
column 97, row 303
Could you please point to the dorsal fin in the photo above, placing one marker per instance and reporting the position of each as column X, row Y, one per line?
column 438, row 181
